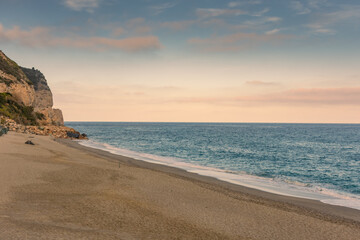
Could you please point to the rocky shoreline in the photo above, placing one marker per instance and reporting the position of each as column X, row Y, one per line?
column 50, row 130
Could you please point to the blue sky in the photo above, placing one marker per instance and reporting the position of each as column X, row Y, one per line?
column 249, row 49
column 182, row 22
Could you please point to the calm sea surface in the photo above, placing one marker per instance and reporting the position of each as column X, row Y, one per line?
column 319, row 161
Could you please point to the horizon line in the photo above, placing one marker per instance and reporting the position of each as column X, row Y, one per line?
column 347, row 123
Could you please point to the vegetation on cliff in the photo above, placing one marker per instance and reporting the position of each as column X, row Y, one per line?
column 30, row 101
column 18, row 112
column 26, row 103
column 35, row 77
column 10, row 67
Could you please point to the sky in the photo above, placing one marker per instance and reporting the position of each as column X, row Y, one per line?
column 192, row 61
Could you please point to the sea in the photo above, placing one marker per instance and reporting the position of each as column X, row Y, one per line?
column 313, row 161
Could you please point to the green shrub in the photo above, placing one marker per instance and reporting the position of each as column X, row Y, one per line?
column 18, row 112
column 10, row 67
column 6, row 81
column 40, row 116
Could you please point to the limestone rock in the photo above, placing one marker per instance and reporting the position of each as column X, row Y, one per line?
column 24, row 93
column 52, row 116
column 14, row 81
column 50, row 130
column 43, row 95
column 29, row 88
column 57, row 117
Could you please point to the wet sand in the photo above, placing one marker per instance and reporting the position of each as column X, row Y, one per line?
column 62, row 190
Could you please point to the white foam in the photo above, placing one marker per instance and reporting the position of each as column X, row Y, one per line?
column 276, row 186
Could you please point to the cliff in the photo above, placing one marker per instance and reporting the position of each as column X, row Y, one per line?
column 26, row 96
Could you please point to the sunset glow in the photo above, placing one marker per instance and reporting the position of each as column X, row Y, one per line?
column 200, row 61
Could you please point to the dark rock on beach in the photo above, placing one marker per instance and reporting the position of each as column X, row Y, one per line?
column 4, row 130
column 29, row 142
column 73, row 134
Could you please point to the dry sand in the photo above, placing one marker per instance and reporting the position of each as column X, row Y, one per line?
column 62, row 190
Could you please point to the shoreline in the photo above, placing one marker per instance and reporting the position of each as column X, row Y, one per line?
column 331, row 197
column 58, row 189
column 312, row 206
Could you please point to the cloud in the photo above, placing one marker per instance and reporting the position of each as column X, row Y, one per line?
column 324, row 31
column 45, row 37
column 110, row 94
column 344, row 13
column 178, row 25
column 319, row 96
column 259, row 24
column 238, row 3
column 137, row 26
column 325, row 21
column 273, row 19
column 158, row 9
column 306, row 7
column 216, row 12
column 142, row 30
column 294, row 97
column 299, row 7
column 135, row 22
column 235, row 42
column 261, row 83
column 260, row 13
column 316, row 3
column 118, row 31
column 274, row 31
column 29, row 38
column 320, row 28
column 80, row 5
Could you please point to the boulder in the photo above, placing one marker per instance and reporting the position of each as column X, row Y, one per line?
column 73, row 135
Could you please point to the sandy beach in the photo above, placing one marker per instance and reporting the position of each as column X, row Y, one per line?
column 58, row 189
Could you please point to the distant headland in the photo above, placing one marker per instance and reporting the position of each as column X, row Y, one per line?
column 26, row 102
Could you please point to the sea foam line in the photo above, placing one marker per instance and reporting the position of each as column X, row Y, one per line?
column 281, row 187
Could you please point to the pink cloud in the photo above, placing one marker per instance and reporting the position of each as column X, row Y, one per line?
column 261, row 83
column 137, row 26
column 118, row 31
column 303, row 97
column 135, row 22
column 235, row 42
column 45, row 37
column 324, row 96
column 178, row 25
column 142, row 29
column 234, row 38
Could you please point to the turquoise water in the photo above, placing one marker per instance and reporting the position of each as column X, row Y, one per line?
column 319, row 161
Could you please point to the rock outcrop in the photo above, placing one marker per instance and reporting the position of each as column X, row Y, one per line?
column 43, row 102
column 55, row 131
column 14, row 81
column 26, row 103
column 29, row 88
column 43, row 96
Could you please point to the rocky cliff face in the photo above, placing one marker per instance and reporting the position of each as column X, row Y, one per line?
column 43, row 99
column 29, row 87
column 43, row 96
